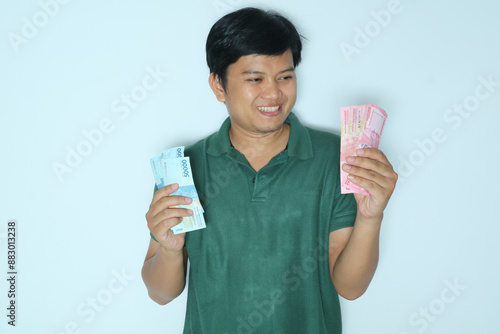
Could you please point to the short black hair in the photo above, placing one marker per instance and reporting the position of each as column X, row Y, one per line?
column 250, row 31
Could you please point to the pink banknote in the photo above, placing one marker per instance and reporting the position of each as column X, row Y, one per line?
column 361, row 126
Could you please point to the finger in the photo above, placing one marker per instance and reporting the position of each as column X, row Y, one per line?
column 367, row 174
column 173, row 213
column 376, row 190
column 169, row 217
column 368, row 164
column 167, row 202
column 374, row 153
column 164, row 226
column 370, row 179
column 164, row 192
column 164, row 233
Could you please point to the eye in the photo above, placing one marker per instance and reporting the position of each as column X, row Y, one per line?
column 287, row 77
column 254, row 79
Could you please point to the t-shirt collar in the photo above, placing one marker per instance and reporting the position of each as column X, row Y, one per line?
column 299, row 142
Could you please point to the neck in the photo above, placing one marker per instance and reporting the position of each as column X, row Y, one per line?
column 259, row 148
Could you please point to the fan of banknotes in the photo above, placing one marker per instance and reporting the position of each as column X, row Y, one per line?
column 361, row 127
column 171, row 166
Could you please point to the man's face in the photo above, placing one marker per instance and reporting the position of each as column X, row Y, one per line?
column 260, row 93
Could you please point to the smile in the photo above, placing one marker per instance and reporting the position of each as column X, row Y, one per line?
column 269, row 109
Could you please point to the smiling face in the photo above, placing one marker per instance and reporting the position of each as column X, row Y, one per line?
column 261, row 91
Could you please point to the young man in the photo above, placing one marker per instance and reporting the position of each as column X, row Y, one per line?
column 281, row 241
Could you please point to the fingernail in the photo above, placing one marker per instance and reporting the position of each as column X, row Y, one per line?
column 350, row 177
column 188, row 200
column 350, row 159
column 190, row 211
column 346, row 166
column 360, row 151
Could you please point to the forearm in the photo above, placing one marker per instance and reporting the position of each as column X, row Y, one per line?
column 356, row 264
column 164, row 275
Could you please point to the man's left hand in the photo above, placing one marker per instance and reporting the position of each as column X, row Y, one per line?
column 372, row 171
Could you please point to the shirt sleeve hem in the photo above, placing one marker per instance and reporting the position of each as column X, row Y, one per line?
column 346, row 220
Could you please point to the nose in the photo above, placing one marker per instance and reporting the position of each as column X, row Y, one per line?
column 271, row 90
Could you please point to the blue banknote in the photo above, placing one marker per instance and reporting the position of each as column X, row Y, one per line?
column 171, row 166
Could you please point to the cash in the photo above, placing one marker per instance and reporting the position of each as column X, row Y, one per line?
column 361, row 126
column 170, row 166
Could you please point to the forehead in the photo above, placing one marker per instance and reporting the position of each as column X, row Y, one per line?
column 262, row 63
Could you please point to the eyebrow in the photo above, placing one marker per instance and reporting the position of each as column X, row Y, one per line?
column 291, row 69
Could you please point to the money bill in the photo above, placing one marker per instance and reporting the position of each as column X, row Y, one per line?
column 168, row 168
column 361, row 126
column 174, row 152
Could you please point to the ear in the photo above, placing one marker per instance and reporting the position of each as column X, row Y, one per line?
column 216, row 86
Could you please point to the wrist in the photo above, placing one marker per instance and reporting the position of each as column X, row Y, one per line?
column 170, row 254
column 370, row 221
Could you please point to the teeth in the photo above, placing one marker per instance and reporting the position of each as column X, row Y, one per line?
column 269, row 109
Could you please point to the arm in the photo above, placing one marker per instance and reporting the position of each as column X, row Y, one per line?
column 164, row 269
column 353, row 252
column 164, row 273
column 353, row 258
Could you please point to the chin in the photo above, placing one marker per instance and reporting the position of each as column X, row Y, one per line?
column 269, row 128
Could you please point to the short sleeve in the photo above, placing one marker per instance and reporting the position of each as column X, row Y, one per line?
column 344, row 206
column 344, row 212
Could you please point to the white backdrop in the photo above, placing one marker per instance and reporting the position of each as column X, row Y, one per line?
column 91, row 90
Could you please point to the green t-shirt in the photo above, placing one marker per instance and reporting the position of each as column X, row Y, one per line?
column 261, row 264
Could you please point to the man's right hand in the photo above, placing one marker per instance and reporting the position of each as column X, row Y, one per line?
column 163, row 215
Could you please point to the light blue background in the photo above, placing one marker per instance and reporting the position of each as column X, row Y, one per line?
column 77, row 233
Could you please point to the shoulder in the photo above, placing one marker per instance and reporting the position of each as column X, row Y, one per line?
column 215, row 144
column 322, row 136
column 198, row 148
column 324, row 142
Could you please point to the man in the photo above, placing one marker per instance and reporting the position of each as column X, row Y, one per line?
column 281, row 241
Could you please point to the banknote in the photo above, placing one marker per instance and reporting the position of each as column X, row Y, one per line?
column 169, row 167
column 361, row 126
column 174, row 152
